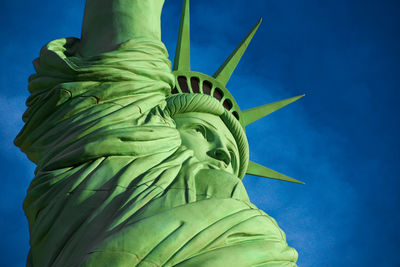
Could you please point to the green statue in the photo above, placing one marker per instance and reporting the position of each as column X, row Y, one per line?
column 138, row 165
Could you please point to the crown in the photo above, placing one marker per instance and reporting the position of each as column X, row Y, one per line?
column 191, row 82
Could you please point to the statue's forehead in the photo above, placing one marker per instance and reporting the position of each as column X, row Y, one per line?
column 210, row 120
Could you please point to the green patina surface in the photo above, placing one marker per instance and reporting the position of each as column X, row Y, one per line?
column 128, row 175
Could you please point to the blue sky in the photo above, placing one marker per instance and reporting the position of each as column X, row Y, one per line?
column 342, row 139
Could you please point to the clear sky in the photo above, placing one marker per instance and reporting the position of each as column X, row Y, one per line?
column 342, row 139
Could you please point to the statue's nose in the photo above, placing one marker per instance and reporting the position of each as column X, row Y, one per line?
column 221, row 154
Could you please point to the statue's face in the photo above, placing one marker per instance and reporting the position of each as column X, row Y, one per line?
column 210, row 139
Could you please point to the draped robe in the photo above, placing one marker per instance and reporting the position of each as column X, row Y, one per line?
column 113, row 185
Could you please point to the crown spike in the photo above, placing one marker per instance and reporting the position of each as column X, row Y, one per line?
column 253, row 114
column 259, row 170
column 182, row 53
column 224, row 72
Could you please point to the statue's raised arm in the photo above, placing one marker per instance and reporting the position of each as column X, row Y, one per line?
column 108, row 23
column 119, row 68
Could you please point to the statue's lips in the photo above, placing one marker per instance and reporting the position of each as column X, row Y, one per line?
column 216, row 166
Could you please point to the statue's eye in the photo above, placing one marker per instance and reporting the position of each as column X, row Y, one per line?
column 200, row 129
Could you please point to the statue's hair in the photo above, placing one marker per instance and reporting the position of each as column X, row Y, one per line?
column 185, row 103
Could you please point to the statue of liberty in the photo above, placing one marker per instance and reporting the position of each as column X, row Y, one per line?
column 138, row 165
